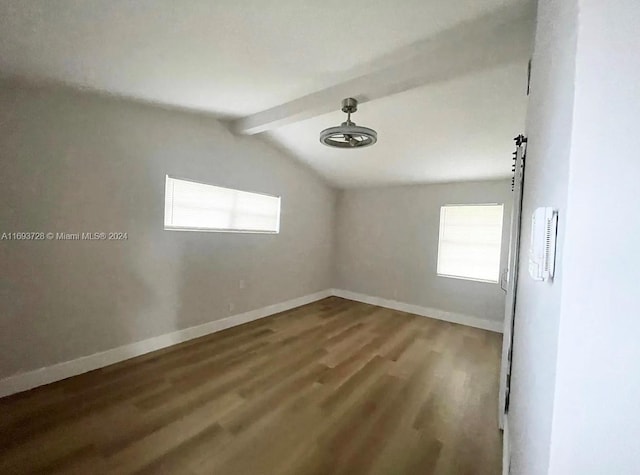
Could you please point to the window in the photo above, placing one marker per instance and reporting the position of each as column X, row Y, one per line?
column 191, row 206
column 470, row 239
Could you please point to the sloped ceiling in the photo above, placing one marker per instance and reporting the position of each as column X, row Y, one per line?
column 452, row 131
column 237, row 58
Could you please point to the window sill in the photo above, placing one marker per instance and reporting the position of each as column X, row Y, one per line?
column 468, row 278
column 209, row 230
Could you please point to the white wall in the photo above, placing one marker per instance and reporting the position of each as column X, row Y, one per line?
column 576, row 390
column 80, row 163
column 596, row 426
column 74, row 163
column 549, row 129
column 388, row 246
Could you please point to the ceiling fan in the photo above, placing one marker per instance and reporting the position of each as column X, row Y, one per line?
column 348, row 134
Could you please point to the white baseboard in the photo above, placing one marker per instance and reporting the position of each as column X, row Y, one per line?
column 49, row 374
column 24, row 381
column 469, row 320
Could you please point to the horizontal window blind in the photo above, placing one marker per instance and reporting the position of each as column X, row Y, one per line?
column 470, row 241
column 196, row 206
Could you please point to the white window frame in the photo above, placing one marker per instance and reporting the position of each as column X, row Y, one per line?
column 219, row 230
column 440, row 234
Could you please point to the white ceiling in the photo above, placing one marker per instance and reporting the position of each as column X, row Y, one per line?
column 237, row 58
column 458, row 130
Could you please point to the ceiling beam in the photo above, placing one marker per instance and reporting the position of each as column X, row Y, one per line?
column 495, row 39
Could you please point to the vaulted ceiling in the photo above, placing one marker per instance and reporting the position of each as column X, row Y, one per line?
column 443, row 83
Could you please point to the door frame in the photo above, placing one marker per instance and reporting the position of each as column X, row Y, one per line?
column 511, row 280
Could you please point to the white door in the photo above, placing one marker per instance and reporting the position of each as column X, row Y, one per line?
column 510, row 279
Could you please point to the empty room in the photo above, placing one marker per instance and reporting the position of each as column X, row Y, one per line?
column 319, row 237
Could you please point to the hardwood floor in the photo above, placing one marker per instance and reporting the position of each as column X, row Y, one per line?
column 334, row 387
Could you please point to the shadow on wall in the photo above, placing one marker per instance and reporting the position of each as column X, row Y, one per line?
column 65, row 175
column 77, row 163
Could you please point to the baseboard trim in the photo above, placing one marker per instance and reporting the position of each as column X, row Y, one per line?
column 49, row 374
column 31, row 379
column 460, row 318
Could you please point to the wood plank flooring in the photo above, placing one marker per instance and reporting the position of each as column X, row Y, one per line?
column 334, row 387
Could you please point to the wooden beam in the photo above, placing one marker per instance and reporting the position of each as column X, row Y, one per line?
column 496, row 39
